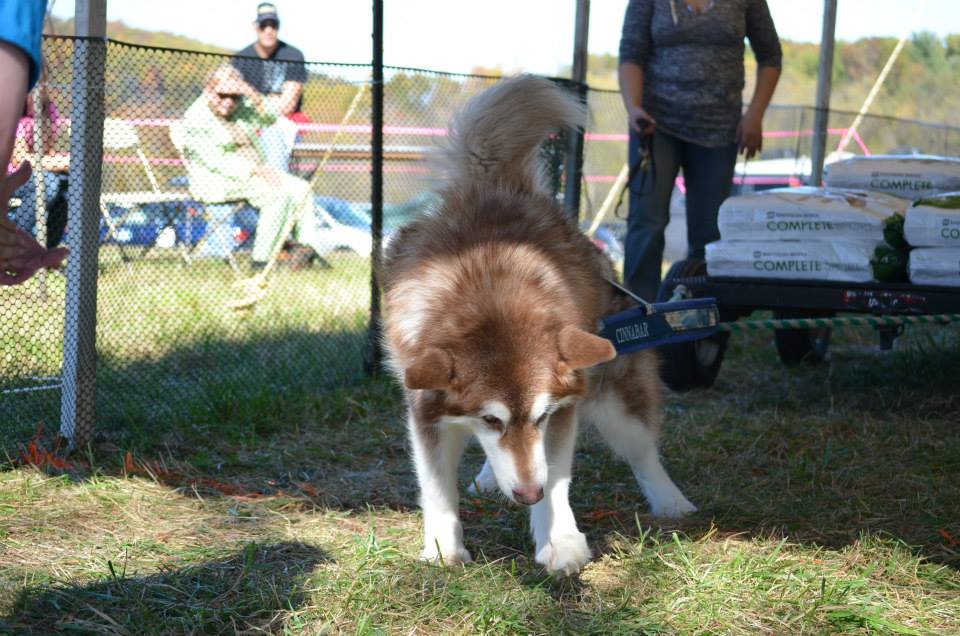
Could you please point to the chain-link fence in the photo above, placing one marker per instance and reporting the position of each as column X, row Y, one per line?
column 199, row 188
column 199, row 191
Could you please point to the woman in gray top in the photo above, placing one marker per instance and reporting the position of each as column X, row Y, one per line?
column 681, row 77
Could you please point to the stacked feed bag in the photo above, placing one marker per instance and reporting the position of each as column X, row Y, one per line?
column 907, row 176
column 802, row 233
column 932, row 226
column 842, row 261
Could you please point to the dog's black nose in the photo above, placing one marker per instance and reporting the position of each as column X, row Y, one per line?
column 528, row 495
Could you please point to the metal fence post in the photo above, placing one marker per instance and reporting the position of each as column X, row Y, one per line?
column 374, row 351
column 78, row 393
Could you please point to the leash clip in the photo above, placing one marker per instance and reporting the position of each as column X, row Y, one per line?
column 648, row 307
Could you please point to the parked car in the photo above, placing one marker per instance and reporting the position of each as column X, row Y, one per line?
column 347, row 224
column 342, row 225
column 154, row 223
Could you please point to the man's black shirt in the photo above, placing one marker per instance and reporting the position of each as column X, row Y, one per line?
column 286, row 64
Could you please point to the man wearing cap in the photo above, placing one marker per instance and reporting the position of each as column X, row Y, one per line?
column 277, row 71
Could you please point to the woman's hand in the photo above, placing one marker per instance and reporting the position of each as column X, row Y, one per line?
column 750, row 134
column 640, row 120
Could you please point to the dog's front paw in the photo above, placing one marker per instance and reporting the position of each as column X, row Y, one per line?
column 564, row 554
column 672, row 507
column 665, row 498
column 452, row 556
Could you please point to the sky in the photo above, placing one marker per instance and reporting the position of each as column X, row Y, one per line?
column 458, row 35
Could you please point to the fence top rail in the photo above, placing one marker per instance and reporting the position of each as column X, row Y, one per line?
column 359, row 65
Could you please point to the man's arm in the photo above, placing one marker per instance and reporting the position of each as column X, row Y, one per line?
column 295, row 76
column 286, row 101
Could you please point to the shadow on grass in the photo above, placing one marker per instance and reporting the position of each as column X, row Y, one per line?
column 863, row 444
column 867, row 443
column 248, row 591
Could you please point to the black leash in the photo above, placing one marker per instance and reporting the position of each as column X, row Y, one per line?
column 649, row 177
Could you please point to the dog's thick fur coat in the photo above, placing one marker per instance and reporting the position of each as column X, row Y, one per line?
column 490, row 306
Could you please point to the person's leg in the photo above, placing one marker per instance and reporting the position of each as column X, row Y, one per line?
column 292, row 198
column 55, row 191
column 307, row 231
column 708, row 175
column 650, row 192
column 277, row 141
column 274, row 205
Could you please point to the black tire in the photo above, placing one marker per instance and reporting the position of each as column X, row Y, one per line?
column 800, row 345
column 695, row 364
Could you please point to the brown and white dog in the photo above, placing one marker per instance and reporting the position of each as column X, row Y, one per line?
column 489, row 310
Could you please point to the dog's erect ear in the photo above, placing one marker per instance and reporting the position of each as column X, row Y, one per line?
column 580, row 349
column 432, row 370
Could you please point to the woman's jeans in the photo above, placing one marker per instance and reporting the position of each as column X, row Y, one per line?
column 707, row 175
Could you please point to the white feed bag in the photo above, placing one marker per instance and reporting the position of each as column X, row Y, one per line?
column 807, row 213
column 908, row 176
column 846, row 261
column 934, row 221
column 934, row 266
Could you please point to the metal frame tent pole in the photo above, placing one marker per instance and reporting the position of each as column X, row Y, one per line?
column 574, row 161
column 79, row 373
column 824, row 82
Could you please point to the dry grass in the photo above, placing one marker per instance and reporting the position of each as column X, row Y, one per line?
column 828, row 496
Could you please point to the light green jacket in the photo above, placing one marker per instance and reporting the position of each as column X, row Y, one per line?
column 218, row 171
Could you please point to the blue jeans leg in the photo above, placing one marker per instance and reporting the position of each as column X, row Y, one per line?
column 708, row 176
column 276, row 152
column 649, row 213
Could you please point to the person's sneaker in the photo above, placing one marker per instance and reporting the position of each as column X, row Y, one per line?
column 257, row 266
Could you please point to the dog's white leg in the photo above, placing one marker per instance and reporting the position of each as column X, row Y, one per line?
column 436, row 454
column 560, row 546
column 630, row 437
column 485, row 481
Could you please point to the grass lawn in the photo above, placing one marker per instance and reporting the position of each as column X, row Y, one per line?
column 829, row 502
column 169, row 347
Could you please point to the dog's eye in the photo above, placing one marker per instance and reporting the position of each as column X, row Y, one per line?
column 543, row 418
column 493, row 422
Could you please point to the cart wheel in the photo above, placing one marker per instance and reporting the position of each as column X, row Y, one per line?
column 800, row 345
column 694, row 364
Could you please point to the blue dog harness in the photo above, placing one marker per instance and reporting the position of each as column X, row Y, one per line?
column 655, row 324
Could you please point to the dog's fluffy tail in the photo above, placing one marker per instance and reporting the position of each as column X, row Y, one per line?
column 495, row 139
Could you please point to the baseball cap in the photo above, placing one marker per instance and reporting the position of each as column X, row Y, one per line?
column 267, row 11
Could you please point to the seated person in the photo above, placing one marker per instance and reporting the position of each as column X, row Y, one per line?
column 225, row 162
column 278, row 72
column 52, row 166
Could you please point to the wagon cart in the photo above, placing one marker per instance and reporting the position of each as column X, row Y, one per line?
column 804, row 312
